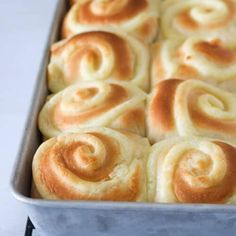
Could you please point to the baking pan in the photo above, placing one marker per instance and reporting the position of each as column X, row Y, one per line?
column 56, row 218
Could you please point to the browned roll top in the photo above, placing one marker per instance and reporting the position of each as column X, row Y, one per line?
column 65, row 156
column 137, row 17
column 88, row 45
column 217, row 193
column 204, row 121
column 109, row 12
column 86, row 168
column 92, row 164
column 161, row 107
column 185, row 20
column 214, row 52
column 116, row 96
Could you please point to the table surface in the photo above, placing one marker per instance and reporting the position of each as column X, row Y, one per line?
column 24, row 28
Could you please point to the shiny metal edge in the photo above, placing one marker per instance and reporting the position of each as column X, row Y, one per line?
column 30, row 124
column 202, row 208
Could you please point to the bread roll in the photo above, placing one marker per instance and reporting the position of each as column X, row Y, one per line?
column 192, row 171
column 138, row 17
column 94, row 164
column 188, row 108
column 195, row 58
column 98, row 55
column 113, row 104
column 212, row 19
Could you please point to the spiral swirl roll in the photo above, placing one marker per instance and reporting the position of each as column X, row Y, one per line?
column 195, row 58
column 212, row 19
column 188, row 108
column 192, row 171
column 110, row 104
column 138, row 17
column 95, row 164
column 98, row 55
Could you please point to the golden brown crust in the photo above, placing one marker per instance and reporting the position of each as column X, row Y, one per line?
column 204, row 121
column 110, row 12
column 98, row 55
column 161, row 105
column 123, row 55
column 185, row 20
column 209, row 19
column 188, row 108
column 215, row 194
column 86, row 167
column 90, row 165
column 116, row 96
column 107, row 104
column 138, row 17
column 194, row 58
column 193, row 171
column 216, row 53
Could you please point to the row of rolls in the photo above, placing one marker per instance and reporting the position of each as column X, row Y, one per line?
column 109, row 165
column 143, row 104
